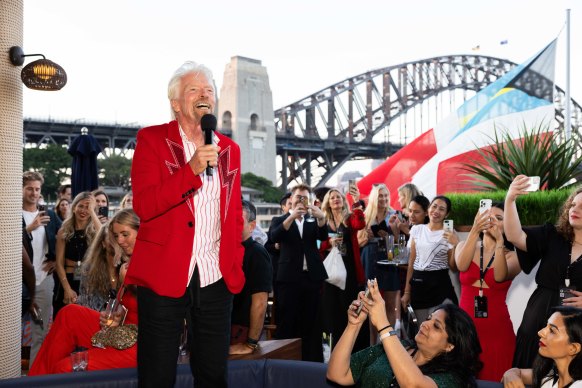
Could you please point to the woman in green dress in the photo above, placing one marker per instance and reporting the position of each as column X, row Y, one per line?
column 445, row 352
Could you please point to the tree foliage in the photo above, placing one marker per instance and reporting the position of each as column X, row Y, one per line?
column 537, row 153
column 270, row 193
column 115, row 171
column 53, row 162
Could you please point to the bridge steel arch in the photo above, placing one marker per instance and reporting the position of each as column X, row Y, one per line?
column 342, row 121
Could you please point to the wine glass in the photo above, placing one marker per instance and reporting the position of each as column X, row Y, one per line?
column 108, row 314
column 310, row 200
column 402, row 246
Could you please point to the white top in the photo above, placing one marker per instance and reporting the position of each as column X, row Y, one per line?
column 431, row 248
column 549, row 383
column 206, row 204
column 39, row 246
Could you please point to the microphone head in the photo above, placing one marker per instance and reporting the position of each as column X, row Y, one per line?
column 208, row 121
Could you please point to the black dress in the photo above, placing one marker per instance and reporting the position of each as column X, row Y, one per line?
column 335, row 301
column 75, row 249
column 544, row 244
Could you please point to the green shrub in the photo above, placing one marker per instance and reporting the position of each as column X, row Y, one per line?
column 534, row 208
column 537, row 152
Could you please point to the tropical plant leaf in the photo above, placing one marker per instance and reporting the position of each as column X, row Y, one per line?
column 537, row 152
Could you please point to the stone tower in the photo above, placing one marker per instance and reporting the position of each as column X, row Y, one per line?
column 246, row 108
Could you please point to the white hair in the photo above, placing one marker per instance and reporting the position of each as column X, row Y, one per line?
column 187, row 68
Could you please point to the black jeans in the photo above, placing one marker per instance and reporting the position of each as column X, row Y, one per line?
column 161, row 318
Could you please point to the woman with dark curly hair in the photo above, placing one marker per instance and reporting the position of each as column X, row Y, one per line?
column 558, row 249
column 559, row 361
column 445, row 352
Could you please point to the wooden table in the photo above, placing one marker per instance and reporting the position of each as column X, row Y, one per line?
column 284, row 349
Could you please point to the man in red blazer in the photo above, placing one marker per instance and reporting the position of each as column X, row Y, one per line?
column 187, row 261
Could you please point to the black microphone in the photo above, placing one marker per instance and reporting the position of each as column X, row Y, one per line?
column 208, row 124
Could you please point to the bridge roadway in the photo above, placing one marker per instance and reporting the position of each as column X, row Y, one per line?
column 121, row 138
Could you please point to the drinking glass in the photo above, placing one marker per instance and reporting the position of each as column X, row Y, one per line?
column 402, row 246
column 340, row 244
column 79, row 360
column 310, row 200
column 111, row 309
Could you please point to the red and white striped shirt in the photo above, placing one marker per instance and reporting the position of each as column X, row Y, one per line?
column 206, row 205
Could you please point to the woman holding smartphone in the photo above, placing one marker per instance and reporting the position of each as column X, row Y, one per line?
column 487, row 265
column 428, row 283
column 558, row 249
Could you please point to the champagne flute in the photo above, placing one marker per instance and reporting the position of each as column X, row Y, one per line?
column 108, row 314
column 310, row 200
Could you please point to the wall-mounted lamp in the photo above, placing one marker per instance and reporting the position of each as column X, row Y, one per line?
column 41, row 74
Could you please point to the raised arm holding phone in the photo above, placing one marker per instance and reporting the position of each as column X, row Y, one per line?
column 558, row 249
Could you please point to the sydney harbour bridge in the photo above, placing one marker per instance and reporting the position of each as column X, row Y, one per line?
column 367, row 116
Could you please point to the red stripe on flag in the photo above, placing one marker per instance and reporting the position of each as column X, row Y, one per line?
column 400, row 167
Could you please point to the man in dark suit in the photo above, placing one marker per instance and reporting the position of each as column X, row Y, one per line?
column 187, row 261
column 301, row 271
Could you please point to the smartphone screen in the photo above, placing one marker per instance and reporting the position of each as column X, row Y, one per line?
column 534, row 183
column 103, row 211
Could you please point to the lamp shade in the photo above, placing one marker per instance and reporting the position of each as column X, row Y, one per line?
column 43, row 74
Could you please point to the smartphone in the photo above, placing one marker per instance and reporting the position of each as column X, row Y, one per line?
column 367, row 295
column 485, row 205
column 565, row 293
column 534, row 183
column 400, row 216
column 448, row 225
column 41, row 207
column 103, row 211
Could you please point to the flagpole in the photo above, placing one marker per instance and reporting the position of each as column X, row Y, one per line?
column 568, row 128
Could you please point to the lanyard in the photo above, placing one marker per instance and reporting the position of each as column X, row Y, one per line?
column 482, row 271
column 567, row 279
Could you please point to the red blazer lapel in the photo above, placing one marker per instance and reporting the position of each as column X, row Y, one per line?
column 228, row 171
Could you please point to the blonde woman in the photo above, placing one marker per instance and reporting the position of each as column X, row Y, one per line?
column 73, row 239
column 127, row 201
column 342, row 227
column 405, row 194
column 380, row 224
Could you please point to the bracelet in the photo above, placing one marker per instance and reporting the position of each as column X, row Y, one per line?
column 253, row 347
column 384, row 328
column 406, row 292
column 389, row 334
column 252, row 341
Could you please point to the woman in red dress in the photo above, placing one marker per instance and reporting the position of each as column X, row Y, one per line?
column 487, row 267
column 75, row 325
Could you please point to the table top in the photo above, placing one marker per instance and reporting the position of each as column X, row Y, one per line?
column 395, row 262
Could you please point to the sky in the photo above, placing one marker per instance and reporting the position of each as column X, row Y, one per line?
column 120, row 54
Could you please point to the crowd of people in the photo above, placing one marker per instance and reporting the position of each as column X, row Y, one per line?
column 201, row 273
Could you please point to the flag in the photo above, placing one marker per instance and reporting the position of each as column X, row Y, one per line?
column 434, row 160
